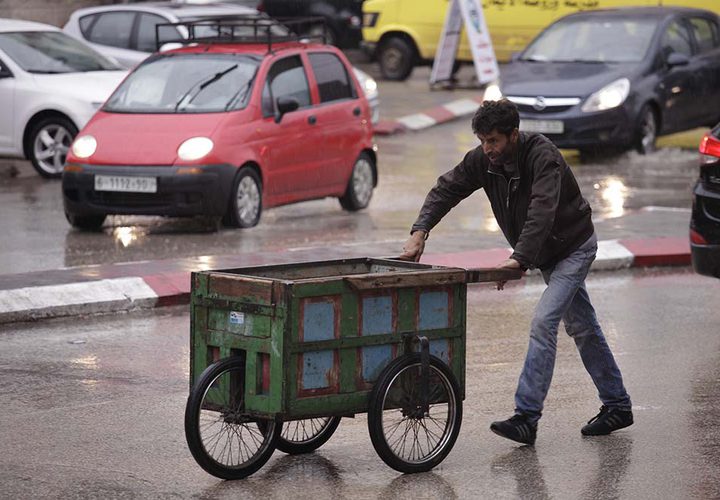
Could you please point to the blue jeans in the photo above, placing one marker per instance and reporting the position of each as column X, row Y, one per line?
column 566, row 298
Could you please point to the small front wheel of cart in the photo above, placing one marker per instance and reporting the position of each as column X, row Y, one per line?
column 304, row 436
column 226, row 441
column 406, row 436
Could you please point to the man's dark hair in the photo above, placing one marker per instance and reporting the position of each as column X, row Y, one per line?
column 499, row 115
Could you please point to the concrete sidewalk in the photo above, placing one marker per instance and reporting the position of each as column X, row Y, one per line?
column 123, row 287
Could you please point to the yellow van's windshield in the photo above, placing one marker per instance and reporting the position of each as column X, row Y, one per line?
column 593, row 41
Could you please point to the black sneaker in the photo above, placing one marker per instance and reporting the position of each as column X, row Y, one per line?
column 608, row 420
column 516, row 428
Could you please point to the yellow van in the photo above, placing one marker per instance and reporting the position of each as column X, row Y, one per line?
column 401, row 34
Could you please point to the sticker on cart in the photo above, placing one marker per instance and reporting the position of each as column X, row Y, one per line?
column 237, row 318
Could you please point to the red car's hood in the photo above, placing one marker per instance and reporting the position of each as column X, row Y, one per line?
column 135, row 139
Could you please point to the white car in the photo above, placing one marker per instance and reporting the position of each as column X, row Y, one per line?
column 50, row 86
column 127, row 32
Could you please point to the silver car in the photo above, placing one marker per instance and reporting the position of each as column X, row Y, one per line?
column 127, row 32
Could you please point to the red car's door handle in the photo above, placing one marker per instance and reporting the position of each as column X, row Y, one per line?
column 312, row 120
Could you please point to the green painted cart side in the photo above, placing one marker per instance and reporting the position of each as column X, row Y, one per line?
column 315, row 336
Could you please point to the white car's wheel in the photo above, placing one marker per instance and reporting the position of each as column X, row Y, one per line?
column 50, row 141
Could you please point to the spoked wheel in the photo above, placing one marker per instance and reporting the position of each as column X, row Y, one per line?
column 50, row 141
column 406, row 438
column 224, row 440
column 304, row 436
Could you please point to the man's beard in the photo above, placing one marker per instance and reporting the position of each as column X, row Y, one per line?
column 502, row 158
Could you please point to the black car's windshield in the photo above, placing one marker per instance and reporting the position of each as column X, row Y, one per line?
column 186, row 83
column 593, row 41
column 51, row 52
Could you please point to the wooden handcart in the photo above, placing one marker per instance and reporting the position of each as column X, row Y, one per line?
column 279, row 354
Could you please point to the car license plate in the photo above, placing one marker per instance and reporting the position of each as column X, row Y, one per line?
column 126, row 184
column 542, row 126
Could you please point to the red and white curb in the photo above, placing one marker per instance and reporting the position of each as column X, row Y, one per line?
column 125, row 294
column 430, row 117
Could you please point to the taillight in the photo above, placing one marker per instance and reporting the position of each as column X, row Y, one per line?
column 697, row 238
column 709, row 149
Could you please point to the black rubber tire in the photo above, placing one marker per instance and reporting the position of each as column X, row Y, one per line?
column 441, row 380
column 396, row 57
column 292, row 444
column 52, row 122
column 235, row 216
column 86, row 222
column 646, row 131
column 357, row 196
column 266, row 434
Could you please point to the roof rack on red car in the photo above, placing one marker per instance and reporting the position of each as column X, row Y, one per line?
column 243, row 29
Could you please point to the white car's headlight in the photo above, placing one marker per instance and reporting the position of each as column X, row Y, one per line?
column 492, row 92
column 367, row 82
column 84, row 146
column 608, row 97
column 195, row 148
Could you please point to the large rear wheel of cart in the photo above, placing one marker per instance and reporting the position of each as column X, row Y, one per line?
column 304, row 436
column 406, row 438
column 226, row 441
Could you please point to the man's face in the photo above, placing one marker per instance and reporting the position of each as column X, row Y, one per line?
column 498, row 147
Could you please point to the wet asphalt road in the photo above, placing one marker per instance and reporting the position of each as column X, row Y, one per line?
column 631, row 195
column 94, row 409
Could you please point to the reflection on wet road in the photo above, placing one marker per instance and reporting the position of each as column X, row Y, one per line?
column 94, row 409
column 630, row 194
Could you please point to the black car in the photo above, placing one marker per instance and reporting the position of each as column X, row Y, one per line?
column 618, row 77
column 705, row 220
column 343, row 18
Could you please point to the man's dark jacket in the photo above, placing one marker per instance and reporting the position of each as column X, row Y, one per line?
column 540, row 209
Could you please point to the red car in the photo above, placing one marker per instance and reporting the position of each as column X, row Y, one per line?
column 225, row 128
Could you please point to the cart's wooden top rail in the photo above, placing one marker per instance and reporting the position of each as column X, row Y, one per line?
column 362, row 274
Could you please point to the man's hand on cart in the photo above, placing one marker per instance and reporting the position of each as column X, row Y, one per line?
column 507, row 264
column 414, row 246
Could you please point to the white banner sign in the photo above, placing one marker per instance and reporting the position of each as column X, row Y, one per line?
column 478, row 37
column 448, row 45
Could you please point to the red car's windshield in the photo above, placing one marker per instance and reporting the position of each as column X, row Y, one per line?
column 186, row 83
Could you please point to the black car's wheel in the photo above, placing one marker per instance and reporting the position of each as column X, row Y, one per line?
column 647, row 130
column 222, row 438
column 86, row 222
column 360, row 187
column 397, row 58
column 406, row 438
column 304, row 436
column 50, row 141
column 246, row 199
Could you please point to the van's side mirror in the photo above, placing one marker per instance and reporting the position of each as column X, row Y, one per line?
column 677, row 59
column 285, row 105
